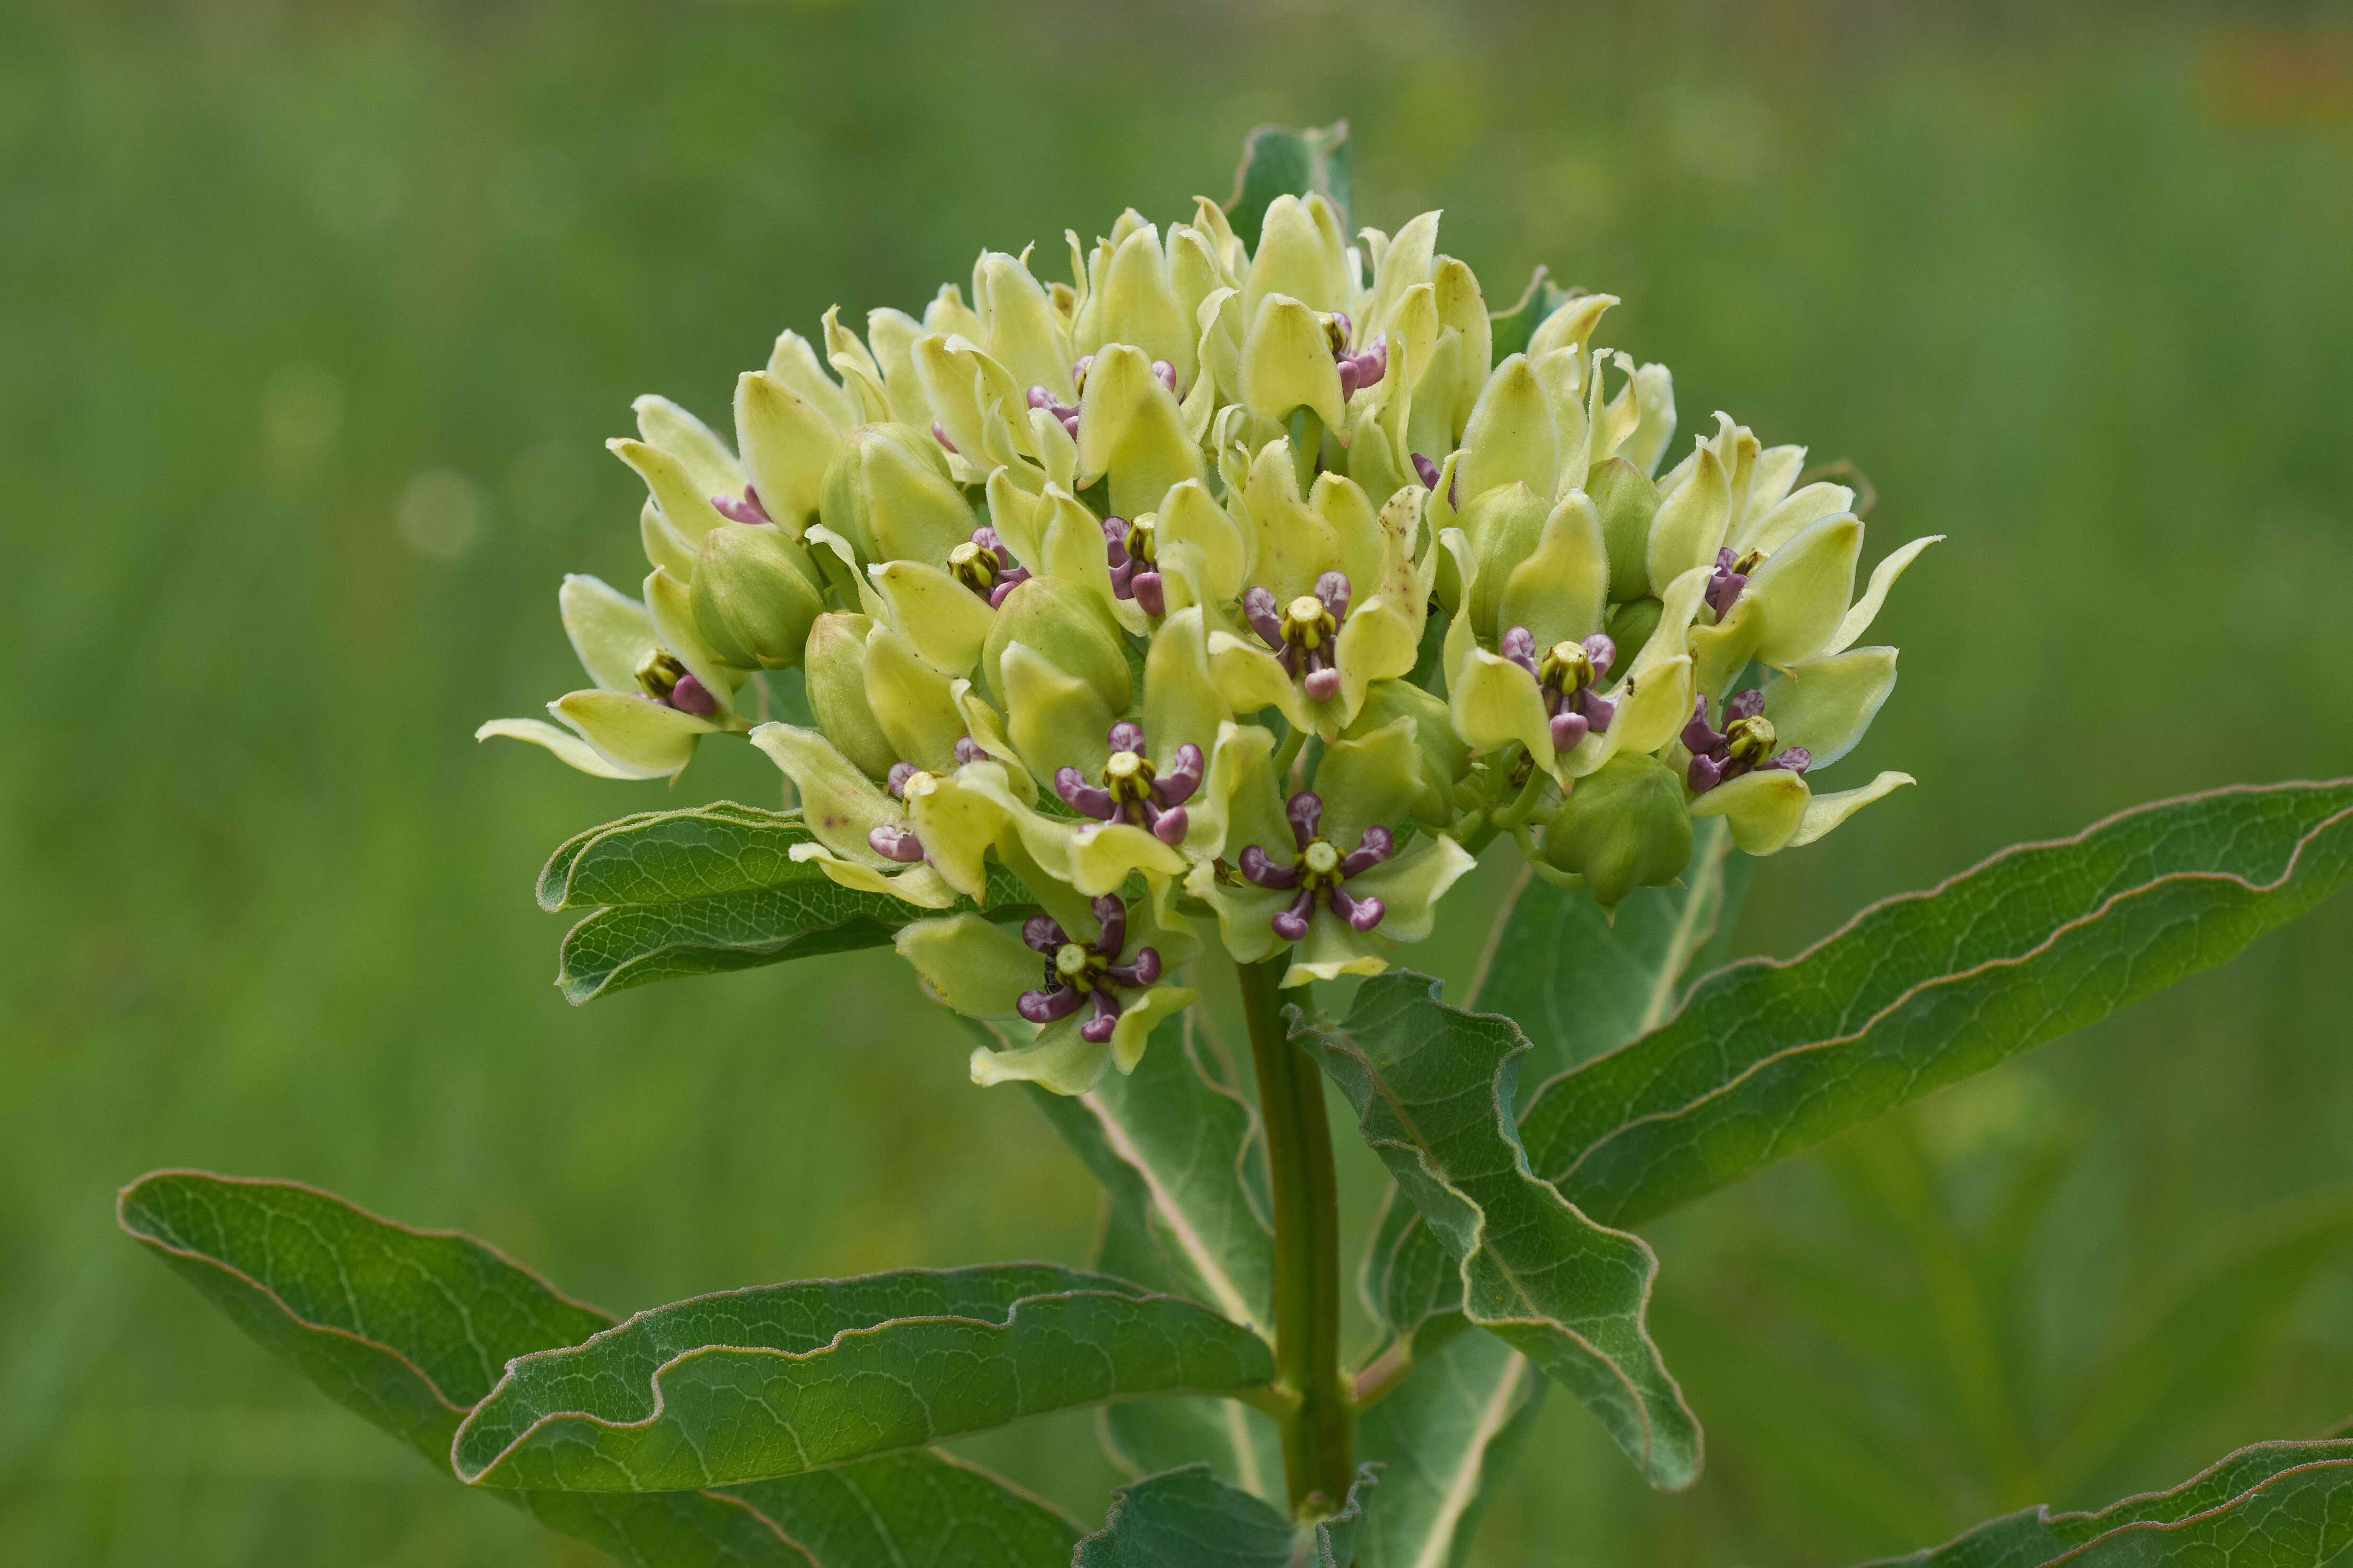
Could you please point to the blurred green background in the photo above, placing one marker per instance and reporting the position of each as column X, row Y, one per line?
column 312, row 317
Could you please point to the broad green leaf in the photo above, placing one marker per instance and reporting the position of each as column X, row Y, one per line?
column 1178, row 1152
column 1443, row 1436
column 747, row 1384
column 1511, row 329
column 1433, row 1089
column 2273, row 1505
column 1919, row 992
column 1579, row 985
column 662, row 856
column 1278, row 161
column 1190, row 1519
column 710, row 890
column 411, row 1327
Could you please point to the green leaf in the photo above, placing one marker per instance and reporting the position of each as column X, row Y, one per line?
column 1580, row 985
column 1278, row 161
column 1178, row 1153
column 411, row 1327
column 1513, row 328
column 1433, row 1089
column 1922, row 991
column 1443, row 1435
column 1190, row 1519
column 710, row 890
column 747, row 1384
column 2273, row 1505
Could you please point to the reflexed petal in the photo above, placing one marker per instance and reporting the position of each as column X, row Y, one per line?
column 974, row 964
column 610, row 631
column 946, row 621
column 1244, row 791
column 1245, row 912
column 788, row 444
column 1287, row 364
column 1560, row 592
column 1332, row 948
column 635, row 733
column 960, row 816
column 795, row 364
column 918, row 884
column 1372, row 781
column 703, row 456
column 1866, row 609
column 1139, row 307
column 1412, row 883
column 1181, row 704
column 1189, row 515
column 1690, row 524
column 1381, row 640
column 1495, row 702
column 686, row 504
column 1142, row 1014
column 1825, row 812
column 838, row 803
column 1773, row 528
column 1826, row 704
column 1130, row 428
column 1510, row 439
column 1251, row 680
column 1301, row 254
column 1722, row 651
column 665, row 545
column 1020, row 519
column 1763, row 809
column 1025, row 335
column 1804, row 587
column 1062, row 1059
column 986, row 725
column 574, row 751
column 1654, row 403
column 1054, row 719
column 1103, row 854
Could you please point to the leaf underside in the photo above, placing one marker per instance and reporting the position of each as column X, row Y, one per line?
column 711, row 889
column 747, row 1384
column 410, row 1328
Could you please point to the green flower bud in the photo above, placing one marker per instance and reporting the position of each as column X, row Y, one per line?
column 754, row 596
column 1621, row 828
column 1627, row 500
column 888, row 492
column 837, row 693
column 1067, row 627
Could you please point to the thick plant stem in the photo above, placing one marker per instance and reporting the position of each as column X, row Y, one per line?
column 1307, row 1284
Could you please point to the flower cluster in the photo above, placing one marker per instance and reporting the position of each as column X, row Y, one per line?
column 1232, row 585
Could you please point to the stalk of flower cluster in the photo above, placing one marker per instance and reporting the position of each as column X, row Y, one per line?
column 1317, row 1416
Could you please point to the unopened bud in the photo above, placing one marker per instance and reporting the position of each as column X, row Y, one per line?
column 754, row 596
column 1621, row 828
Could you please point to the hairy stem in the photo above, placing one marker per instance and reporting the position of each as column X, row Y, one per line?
column 1307, row 1284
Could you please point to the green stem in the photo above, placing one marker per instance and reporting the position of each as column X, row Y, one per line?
column 1316, row 1421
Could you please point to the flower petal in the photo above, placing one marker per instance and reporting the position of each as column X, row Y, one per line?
column 1804, row 587
column 1062, row 1059
column 946, row 621
column 1826, row 704
column 1763, row 809
column 1412, row 882
column 635, row 733
column 839, row 805
column 1825, row 812
column 971, row 962
column 570, row 747
column 1866, row 609
column 610, row 631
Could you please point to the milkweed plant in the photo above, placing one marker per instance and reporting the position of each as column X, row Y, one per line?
column 1186, row 615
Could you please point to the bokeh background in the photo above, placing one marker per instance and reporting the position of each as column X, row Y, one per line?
column 312, row 317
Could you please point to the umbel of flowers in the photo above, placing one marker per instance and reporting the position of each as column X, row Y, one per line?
column 1233, row 591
